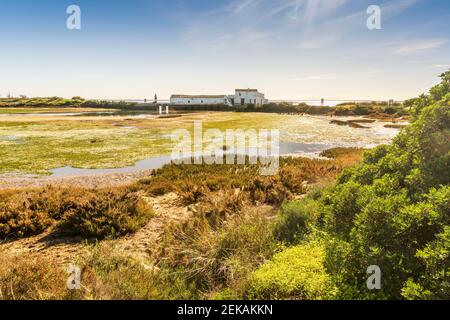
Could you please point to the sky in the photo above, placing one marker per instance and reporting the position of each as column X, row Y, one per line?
column 288, row 49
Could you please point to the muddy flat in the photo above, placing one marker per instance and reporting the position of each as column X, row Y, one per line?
column 86, row 181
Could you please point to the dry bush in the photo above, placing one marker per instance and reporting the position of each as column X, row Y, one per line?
column 92, row 213
column 106, row 274
column 193, row 183
column 191, row 193
column 111, row 274
column 346, row 156
column 29, row 212
column 114, row 212
column 268, row 190
column 32, row 279
column 157, row 187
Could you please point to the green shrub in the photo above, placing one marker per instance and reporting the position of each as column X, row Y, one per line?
column 393, row 211
column 296, row 273
column 342, row 204
column 434, row 283
column 297, row 219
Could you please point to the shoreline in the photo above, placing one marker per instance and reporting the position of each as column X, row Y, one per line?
column 116, row 179
column 96, row 180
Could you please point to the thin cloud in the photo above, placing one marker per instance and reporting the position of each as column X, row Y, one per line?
column 318, row 77
column 308, row 10
column 241, row 6
column 244, row 21
column 321, row 35
column 373, row 71
column 416, row 46
column 393, row 8
column 318, row 43
column 439, row 66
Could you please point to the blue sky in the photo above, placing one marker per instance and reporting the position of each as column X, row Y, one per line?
column 289, row 49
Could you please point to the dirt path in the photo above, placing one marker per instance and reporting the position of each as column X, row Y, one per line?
column 168, row 210
column 66, row 249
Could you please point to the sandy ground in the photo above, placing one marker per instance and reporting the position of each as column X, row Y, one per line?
column 89, row 181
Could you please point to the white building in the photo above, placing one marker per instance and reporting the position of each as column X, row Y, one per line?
column 249, row 96
column 240, row 98
column 182, row 99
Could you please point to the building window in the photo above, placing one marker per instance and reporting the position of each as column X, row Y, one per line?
column 202, row 101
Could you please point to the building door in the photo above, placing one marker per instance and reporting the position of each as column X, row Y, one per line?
column 242, row 101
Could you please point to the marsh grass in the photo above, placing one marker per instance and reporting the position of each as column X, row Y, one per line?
column 213, row 254
column 194, row 182
column 106, row 273
column 24, row 278
column 230, row 234
column 75, row 211
column 45, row 143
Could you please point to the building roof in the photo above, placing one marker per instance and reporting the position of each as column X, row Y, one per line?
column 248, row 90
column 175, row 96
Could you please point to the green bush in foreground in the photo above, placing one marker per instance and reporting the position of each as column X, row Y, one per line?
column 297, row 219
column 434, row 283
column 393, row 211
column 296, row 273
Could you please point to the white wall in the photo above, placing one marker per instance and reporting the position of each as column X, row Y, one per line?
column 197, row 101
column 250, row 97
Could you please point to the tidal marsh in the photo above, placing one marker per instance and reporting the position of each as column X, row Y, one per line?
column 34, row 145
